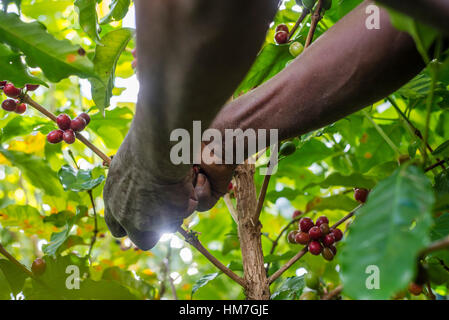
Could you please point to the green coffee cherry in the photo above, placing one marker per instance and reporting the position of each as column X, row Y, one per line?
column 327, row 4
column 296, row 48
column 287, row 148
column 312, row 280
column 309, row 295
column 309, row 4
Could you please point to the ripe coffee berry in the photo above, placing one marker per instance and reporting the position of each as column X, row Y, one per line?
column 315, row 248
column 360, row 195
column 321, row 220
column 324, row 228
column 12, row 91
column 38, row 267
column 9, row 105
column 63, row 121
column 327, row 254
column 302, row 238
column 230, row 186
column 86, row 117
column 315, row 233
column 21, row 108
column 281, row 37
column 69, row 136
column 55, row 136
column 291, row 237
column 333, row 249
column 415, row 289
column 282, row 27
column 31, row 87
column 328, row 240
column 337, row 234
column 305, row 224
column 296, row 214
column 2, row 84
column 78, row 124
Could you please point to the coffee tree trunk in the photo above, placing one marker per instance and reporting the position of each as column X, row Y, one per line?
column 249, row 226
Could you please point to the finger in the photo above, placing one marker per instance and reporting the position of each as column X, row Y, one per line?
column 113, row 226
column 203, row 191
column 144, row 240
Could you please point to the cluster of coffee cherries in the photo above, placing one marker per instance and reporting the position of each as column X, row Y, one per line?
column 281, row 36
column 13, row 105
column 68, row 128
column 318, row 237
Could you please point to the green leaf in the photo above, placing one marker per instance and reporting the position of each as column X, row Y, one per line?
column 354, row 180
column 118, row 10
column 13, row 70
column 203, row 281
column 388, row 232
column 442, row 150
column 105, row 61
column 20, row 126
column 290, row 289
column 56, row 241
column 335, row 202
column 58, row 59
column 14, row 276
column 127, row 279
column 88, row 19
column 80, row 180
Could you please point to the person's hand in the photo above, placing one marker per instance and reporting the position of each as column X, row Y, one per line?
column 142, row 205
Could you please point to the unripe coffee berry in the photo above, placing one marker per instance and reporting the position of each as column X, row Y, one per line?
column 296, row 214
column 315, row 248
column 38, row 267
column 337, row 234
column 292, row 236
column 312, row 280
column 31, row 87
column 302, row 238
column 328, row 240
column 69, row 136
column 55, row 136
column 281, row 37
column 324, row 228
column 315, row 233
column 21, row 108
column 63, row 121
column 9, row 105
column 321, row 220
column 296, row 48
column 85, row 116
column 309, row 295
column 282, row 27
column 360, row 195
column 78, row 124
column 12, row 91
column 327, row 254
column 305, row 224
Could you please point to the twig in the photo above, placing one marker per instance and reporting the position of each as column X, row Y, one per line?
column 166, row 264
column 332, row 294
column 228, row 202
column 193, row 240
column 299, row 255
column 263, row 193
column 430, row 294
column 437, row 245
column 316, row 17
column 94, row 237
column 433, row 166
column 26, row 99
column 304, row 14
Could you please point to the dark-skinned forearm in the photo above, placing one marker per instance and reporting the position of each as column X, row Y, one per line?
column 347, row 68
column 192, row 55
column 435, row 13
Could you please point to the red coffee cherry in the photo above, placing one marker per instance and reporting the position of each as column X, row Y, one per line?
column 78, row 124
column 281, row 37
column 2, row 84
column 296, row 214
column 31, row 87
column 12, row 91
column 415, row 289
column 315, row 248
column 9, row 105
column 55, row 136
column 321, row 220
column 230, row 186
column 302, row 238
column 333, row 249
column 305, row 224
column 315, row 233
column 324, row 228
column 38, row 267
column 282, row 27
column 69, row 136
column 21, row 108
column 327, row 254
column 291, row 236
column 329, row 240
column 360, row 195
column 86, row 117
column 63, row 121
column 337, row 234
